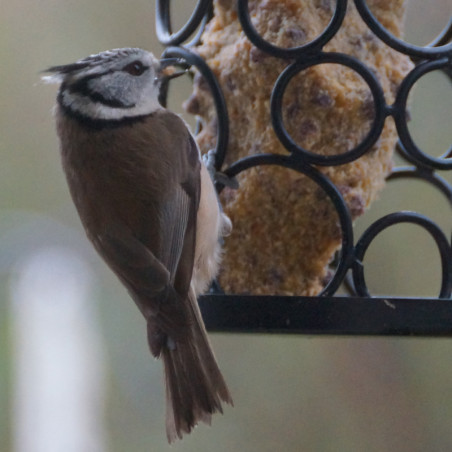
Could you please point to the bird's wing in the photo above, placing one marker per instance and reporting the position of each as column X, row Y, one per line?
column 156, row 262
column 179, row 225
column 146, row 278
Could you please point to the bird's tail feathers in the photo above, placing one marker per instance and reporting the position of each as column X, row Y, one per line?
column 195, row 387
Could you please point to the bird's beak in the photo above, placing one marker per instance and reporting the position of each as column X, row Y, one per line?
column 167, row 68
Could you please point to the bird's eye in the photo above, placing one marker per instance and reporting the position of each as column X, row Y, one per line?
column 135, row 68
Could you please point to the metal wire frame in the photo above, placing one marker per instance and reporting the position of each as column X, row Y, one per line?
column 360, row 313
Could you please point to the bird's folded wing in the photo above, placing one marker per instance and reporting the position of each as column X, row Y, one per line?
column 146, row 278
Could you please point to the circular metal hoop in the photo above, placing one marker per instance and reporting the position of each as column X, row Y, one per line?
column 217, row 95
column 430, row 177
column 293, row 52
column 399, row 114
column 324, row 58
column 397, row 218
column 444, row 37
column 163, row 22
column 346, row 253
column 398, row 44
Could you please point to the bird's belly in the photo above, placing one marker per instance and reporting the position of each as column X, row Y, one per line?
column 208, row 230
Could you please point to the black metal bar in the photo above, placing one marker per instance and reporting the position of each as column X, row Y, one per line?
column 325, row 316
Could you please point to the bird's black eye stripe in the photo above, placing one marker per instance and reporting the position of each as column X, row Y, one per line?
column 135, row 68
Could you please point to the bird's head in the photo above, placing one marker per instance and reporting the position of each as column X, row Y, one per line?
column 112, row 85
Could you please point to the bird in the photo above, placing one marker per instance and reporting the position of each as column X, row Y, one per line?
column 149, row 207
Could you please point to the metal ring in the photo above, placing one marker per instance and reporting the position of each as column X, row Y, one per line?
column 399, row 113
column 292, row 52
column 217, row 95
column 444, row 37
column 163, row 22
column 346, row 252
column 405, row 172
column 396, row 43
column 368, row 77
column 403, row 217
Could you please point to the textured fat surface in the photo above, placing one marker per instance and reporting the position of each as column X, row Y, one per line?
column 285, row 229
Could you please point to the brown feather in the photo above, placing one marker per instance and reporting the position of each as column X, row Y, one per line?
column 195, row 387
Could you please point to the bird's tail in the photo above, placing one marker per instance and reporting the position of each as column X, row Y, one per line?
column 195, row 387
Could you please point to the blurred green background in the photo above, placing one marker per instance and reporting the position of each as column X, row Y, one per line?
column 291, row 393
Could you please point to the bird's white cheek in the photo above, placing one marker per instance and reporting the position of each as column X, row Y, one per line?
column 149, row 99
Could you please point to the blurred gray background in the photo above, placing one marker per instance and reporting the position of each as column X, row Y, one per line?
column 59, row 301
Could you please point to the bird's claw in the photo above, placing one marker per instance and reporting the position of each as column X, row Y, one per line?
column 209, row 161
column 217, row 176
column 226, row 181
